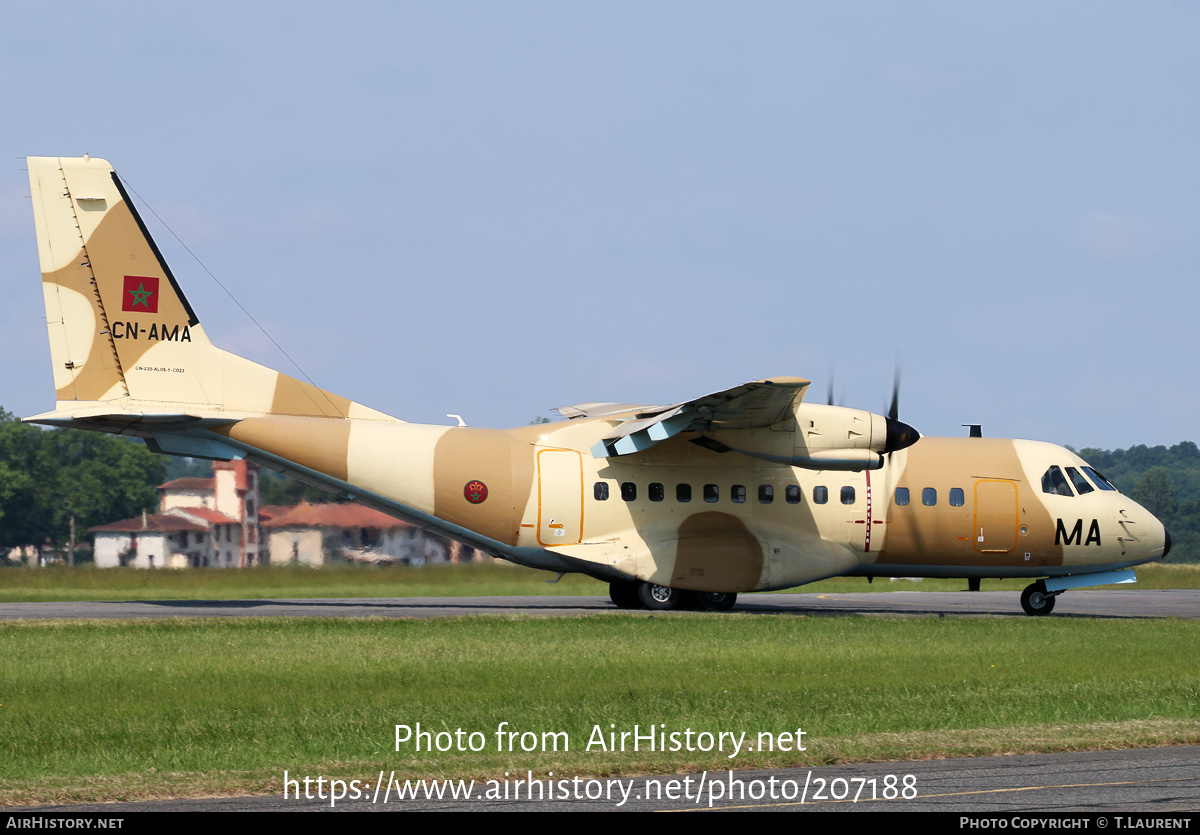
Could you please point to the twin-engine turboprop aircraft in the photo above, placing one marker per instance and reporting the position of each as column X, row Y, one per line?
column 689, row 504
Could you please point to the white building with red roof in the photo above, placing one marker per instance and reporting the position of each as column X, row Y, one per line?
column 219, row 522
column 202, row 523
column 157, row 540
column 311, row 534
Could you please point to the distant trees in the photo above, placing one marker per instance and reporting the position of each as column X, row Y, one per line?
column 1164, row 480
column 49, row 477
column 1153, row 491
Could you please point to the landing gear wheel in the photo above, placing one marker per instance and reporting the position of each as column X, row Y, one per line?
column 715, row 601
column 659, row 598
column 624, row 594
column 1035, row 600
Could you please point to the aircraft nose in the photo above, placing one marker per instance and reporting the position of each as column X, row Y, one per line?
column 899, row 435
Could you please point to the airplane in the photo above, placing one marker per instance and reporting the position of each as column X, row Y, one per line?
column 684, row 505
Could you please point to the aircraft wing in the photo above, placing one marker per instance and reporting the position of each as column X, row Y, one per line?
column 748, row 406
column 591, row 410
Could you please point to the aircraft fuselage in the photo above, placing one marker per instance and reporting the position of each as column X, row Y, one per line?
column 683, row 515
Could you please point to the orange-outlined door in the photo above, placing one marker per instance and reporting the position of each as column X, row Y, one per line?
column 996, row 516
column 560, row 497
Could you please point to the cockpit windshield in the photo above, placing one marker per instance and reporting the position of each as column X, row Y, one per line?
column 1101, row 482
column 1055, row 483
column 1081, row 484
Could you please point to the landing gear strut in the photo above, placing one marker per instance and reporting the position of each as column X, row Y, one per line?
column 1035, row 600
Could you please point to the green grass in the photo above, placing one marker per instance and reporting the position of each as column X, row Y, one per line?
column 475, row 580
column 123, row 709
column 478, row 580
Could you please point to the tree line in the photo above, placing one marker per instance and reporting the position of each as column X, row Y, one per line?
column 57, row 482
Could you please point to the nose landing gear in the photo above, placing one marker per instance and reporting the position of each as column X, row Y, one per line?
column 1035, row 600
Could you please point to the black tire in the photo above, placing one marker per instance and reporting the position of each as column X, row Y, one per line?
column 659, row 598
column 715, row 601
column 1035, row 600
column 624, row 594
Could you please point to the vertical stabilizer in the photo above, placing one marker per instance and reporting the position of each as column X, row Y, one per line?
column 119, row 325
column 121, row 329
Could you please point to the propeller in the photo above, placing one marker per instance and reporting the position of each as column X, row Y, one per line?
column 894, row 409
column 829, row 398
column 899, row 434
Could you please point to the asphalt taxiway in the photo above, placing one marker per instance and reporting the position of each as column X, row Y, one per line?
column 1151, row 784
column 1095, row 604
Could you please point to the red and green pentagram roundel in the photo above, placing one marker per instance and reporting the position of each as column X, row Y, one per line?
column 475, row 492
column 140, row 294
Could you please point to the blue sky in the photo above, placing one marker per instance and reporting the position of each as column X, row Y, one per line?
column 492, row 209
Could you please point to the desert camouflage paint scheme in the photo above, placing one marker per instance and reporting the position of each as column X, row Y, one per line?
column 742, row 490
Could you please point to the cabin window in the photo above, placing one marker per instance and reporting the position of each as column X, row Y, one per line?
column 957, row 497
column 737, row 493
column 792, row 493
column 847, row 495
column 1101, row 482
column 929, row 496
column 683, row 492
column 901, row 496
column 1055, row 483
column 820, row 495
column 766, row 494
column 655, row 492
column 1081, row 483
column 711, row 493
column 629, row 491
column 600, row 491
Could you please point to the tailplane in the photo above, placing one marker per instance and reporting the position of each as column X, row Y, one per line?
column 123, row 337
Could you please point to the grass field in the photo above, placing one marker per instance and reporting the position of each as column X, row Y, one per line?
column 138, row 709
column 104, row 710
column 479, row 580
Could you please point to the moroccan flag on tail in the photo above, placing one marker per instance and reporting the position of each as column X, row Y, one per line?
column 140, row 294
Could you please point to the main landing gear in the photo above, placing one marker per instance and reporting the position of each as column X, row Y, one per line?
column 638, row 595
column 1035, row 600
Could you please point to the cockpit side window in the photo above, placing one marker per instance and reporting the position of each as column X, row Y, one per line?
column 1101, row 482
column 1055, row 483
column 1081, row 483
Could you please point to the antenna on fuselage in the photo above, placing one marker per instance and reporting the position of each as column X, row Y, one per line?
column 976, row 429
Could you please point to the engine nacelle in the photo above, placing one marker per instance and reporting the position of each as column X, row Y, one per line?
column 822, row 438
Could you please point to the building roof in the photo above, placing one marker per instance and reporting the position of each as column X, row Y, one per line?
column 214, row 517
column 267, row 512
column 151, row 522
column 187, row 484
column 349, row 515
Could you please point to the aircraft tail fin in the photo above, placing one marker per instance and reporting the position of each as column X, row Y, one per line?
column 121, row 330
